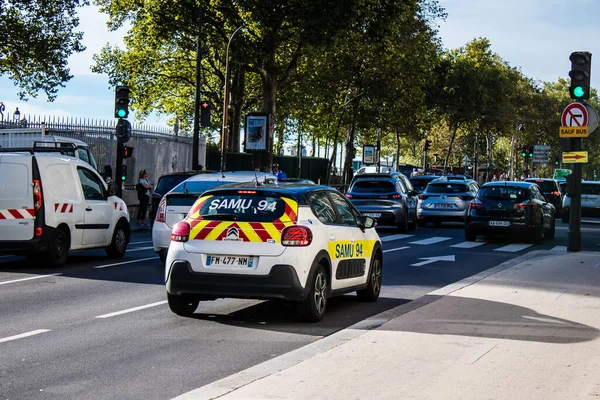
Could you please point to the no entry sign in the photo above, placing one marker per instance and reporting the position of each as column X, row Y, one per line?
column 575, row 114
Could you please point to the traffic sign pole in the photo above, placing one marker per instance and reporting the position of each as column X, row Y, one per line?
column 574, row 244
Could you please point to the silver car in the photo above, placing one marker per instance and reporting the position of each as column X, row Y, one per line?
column 445, row 200
column 590, row 201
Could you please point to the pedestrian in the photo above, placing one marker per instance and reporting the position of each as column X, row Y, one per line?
column 143, row 190
column 279, row 174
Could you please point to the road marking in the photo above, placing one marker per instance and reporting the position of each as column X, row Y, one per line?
column 127, row 262
column 559, row 248
column 140, row 249
column 28, row 279
column 146, row 241
column 397, row 248
column 7, row 256
column 129, row 310
column 429, row 260
column 467, row 245
column 431, row 240
column 23, row 335
column 513, row 248
column 395, row 237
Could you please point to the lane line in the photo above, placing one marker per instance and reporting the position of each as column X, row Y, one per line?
column 129, row 310
column 23, row 335
column 140, row 249
column 468, row 245
column 431, row 240
column 30, row 278
column 127, row 262
column 395, row 237
column 146, row 241
column 8, row 256
column 559, row 248
column 513, row 248
column 398, row 248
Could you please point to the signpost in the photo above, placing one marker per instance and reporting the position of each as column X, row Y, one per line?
column 575, row 157
column 575, row 114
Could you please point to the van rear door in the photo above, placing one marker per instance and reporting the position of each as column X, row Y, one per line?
column 16, row 197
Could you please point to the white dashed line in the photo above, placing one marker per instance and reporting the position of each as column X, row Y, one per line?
column 395, row 237
column 396, row 249
column 28, row 279
column 23, row 335
column 467, row 245
column 431, row 240
column 129, row 310
column 513, row 248
column 126, row 262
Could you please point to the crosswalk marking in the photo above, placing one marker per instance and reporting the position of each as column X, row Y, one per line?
column 431, row 240
column 397, row 248
column 513, row 248
column 559, row 248
column 395, row 237
column 467, row 245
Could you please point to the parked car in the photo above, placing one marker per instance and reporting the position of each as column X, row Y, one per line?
column 510, row 208
column 164, row 184
column 551, row 189
column 590, row 201
column 384, row 198
column 445, row 200
column 420, row 182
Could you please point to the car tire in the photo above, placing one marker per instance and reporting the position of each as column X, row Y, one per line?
column 470, row 236
column 413, row 224
column 403, row 226
column 536, row 236
column 58, row 249
column 565, row 217
column 313, row 307
column 118, row 244
column 550, row 234
column 182, row 305
column 371, row 292
column 421, row 223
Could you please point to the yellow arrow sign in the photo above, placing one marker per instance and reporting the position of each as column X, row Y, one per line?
column 574, row 131
column 575, row 157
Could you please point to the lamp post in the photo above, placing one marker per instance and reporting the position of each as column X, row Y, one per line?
column 17, row 115
column 225, row 128
column 2, row 108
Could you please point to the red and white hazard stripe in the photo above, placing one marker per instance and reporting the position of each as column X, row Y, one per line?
column 17, row 213
column 63, row 208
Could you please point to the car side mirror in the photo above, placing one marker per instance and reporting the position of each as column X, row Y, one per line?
column 369, row 222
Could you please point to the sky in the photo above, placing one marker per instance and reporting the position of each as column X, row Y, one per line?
column 536, row 36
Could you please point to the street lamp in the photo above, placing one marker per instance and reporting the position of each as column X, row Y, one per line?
column 17, row 115
column 225, row 128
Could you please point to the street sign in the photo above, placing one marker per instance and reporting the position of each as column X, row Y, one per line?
column 561, row 173
column 573, row 131
column 592, row 118
column 541, row 147
column 575, row 157
column 575, row 114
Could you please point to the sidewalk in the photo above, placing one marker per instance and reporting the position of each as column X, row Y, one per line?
column 527, row 329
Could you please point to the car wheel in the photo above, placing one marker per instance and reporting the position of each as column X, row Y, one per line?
column 552, row 231
column 58, row 248
column 119, row 242
column 403, row 226
column 565, row 217
column 313, row 307
column 470, row 236
column 536, row 237
column 182, row 305
column 413, row 224
column 371, row 292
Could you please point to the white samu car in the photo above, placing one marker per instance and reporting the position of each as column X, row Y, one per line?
column 302, row 243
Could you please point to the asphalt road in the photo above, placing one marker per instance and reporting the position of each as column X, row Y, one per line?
column 99, row 329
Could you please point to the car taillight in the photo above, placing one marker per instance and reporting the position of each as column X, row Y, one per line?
column 348, row 196
column 523, row 206
column 181, row 232
column 555, row 193
column 466, row 197
column 296, row 236
column 422, row 197
column 38, row 198
column 161, row 212
column 396, row 196
column 476, row 203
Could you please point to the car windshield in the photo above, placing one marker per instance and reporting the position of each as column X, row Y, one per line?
column 590, row 188
column 243, row 207
column 546, row 186
column 446, row 188
column 503, row 193
column 374, row 186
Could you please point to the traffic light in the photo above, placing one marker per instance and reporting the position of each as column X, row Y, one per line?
column 121, row 101
column 205, row 114
column 427, row 144
column 530, row 151
column 124, row 173
column 581, row 64
column 556, row 162
column 523, row 151
column 123, row 130
column 128, row 152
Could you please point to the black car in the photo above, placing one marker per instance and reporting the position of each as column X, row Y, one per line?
column 163, row 185
column 510, row 208
column 385, row 198
column 551, row 188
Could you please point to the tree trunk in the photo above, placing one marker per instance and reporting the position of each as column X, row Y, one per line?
column 336, row 135
column 269, row 88
column 349, row 146
column 454, row 129
column 397, row 148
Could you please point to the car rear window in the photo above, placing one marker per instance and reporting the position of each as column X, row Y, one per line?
column 546, row 186
column 446, row 188
column 375, row 186
column 196, row 187
column 503, row 193
column 420, row 184
column 244, row 207
column 166, row 183
column 587, row 188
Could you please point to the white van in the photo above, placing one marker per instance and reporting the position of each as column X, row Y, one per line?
column 51, row 203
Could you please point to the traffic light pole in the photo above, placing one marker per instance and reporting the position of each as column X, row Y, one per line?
column 118, row 181
column 574, row 244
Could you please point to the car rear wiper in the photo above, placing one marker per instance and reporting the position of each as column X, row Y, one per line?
column 220, row 217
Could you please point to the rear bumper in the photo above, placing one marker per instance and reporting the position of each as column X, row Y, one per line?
column 161, row 236
column 35, row 245
column 389, row 216
column 441, row 214
column 281, row 283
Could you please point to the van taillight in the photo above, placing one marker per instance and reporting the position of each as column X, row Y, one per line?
column 38, row 231
column 181, row 232
column 296, row 236
column 161, row 212
column 38, row 198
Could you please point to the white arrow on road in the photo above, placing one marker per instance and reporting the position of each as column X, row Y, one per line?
column 429, row 260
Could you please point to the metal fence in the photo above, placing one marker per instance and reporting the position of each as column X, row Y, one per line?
column 157, row 149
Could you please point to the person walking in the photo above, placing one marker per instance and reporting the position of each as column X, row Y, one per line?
column 143, row 190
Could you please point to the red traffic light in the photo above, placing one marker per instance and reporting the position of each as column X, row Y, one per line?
column 128, row 152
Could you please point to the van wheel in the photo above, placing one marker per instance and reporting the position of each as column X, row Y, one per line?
column 313, row 307
column 182, row 305
column 117, row 247
column 371, row 292
column 58, row 248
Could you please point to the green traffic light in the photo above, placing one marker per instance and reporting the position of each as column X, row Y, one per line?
column 522, row 154
column 121, row 113
column 123, row 178
column 578, row 91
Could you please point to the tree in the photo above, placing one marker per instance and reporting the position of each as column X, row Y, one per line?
column 39, row 37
